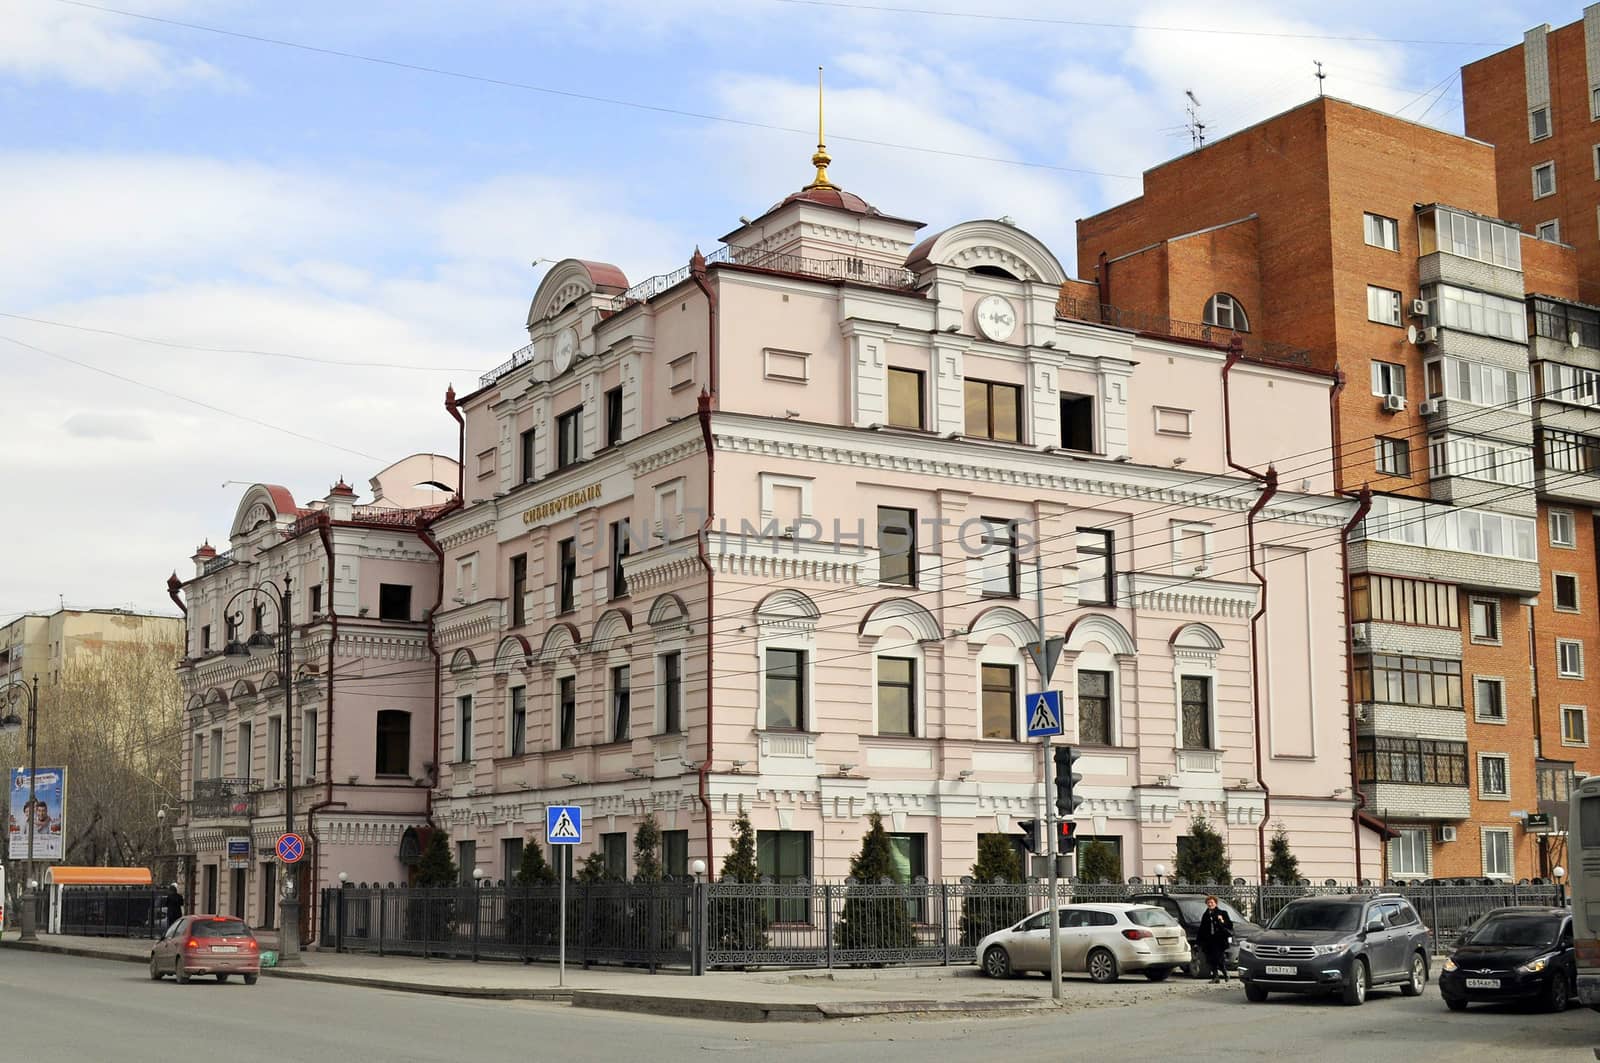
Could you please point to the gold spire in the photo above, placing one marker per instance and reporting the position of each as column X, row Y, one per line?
column 820, row 160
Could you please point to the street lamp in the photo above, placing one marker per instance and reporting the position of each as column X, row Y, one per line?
column 260, row 641
column 1559, row 873
column 10, row 724
column 1161, row 870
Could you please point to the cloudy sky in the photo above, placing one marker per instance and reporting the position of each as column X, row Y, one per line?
column 238, row 256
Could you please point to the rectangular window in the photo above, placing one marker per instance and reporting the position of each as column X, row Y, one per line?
column 909, row 855
column 1394, row 456
column 615, row 849
column 244, row 753
column 394, row 601
column 510, row 858
column 525, row 455
column 519, row 721
column 519, row 590
column 567, row 575
column 466, row 860
column 1594, row 102
column 621, row 546
column 569, row 437
column 1077, row 423
column 316, row 600
column 784, row 856
column 1489, row 700
column 786, row 690
column 464, row 728
column 308, row 745
column 1434, row 682
column 1196, row 691
column 1096, row 567
column 1563, row 531
column 671, row 671
column 216, row 752
column 1409, row 852
column 999, row 701
column 1568, row 452
column 1094, row 708
column 567, row 710
column 1484, row 614
column 1474, row 311
column 621, row 702
column 393, row 742
column 205, row 638
column 1492, row 782
column 1001, row 561
column 1388, row 378
column 994, row 411
column 905, row 398
column 1479, row 459
column 1566, row 586
column 1549, row 231
column 897, row 695
column 675, row 854
column 1569, row 658
column 897, row 546
column 1381, row 231
column 1482, row 385
column 1497, row 852
column 1538, row 123
column 1574, row 725
column 1544, row 180
column 613, row 417
column 274, row 750
column 1383, row 305
column 1415, row 761
column 1469, row 236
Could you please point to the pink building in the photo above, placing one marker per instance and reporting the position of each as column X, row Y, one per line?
column 364, row 579
column 885, row 440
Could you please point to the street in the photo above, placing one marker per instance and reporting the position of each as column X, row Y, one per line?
column 74, row 1009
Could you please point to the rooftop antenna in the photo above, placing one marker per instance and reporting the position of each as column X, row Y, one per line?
column 1197, row 128
column 1321, row 77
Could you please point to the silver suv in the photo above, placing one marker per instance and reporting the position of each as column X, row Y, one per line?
column 1341, row 944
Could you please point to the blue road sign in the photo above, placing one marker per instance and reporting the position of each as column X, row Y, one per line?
column 291, row 848
column 1044, row 714
column 563, row 825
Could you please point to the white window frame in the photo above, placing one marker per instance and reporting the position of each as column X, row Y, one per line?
column 804, row 642
column 1595, row 154
column 1550, row 165
column 658, row 675
column 466, row 737
column 1386, row 229
column 1224, row 304
column 1505, row 775
column 1533, row 127
column 1477, row 709
column 1374, row 310
column 1097, row 661
column 1557, row 517
column 467, row 578
column 1395, row 848
column 1385, row 449
column 510, row 745
column 1186, row 565
column 1192, row 668
column 1000, row 650
column 899, row 643
column 1484, row 640
column 1385, row 377
column 1582, row 713
column 1573, row 649
column 1554, row 234
column 1511, row 856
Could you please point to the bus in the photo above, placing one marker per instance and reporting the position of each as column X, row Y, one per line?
column 1583, row 878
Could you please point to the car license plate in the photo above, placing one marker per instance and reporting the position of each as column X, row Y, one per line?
column 1278, row 968
column 1483, row 983
column 224, row 948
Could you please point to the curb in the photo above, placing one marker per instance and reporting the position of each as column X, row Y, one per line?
column 75, row 950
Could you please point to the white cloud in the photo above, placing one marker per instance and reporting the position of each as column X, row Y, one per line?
column 44, row 40
column 98, row 425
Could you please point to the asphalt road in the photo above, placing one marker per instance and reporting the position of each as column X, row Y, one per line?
column 71, row 1010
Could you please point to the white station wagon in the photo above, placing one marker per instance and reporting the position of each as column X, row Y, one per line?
column 1103, row 941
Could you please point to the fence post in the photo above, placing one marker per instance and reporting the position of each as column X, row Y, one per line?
column 477, row 920
column 827, row 922
column 944, row 921
column 382, row 910
column 1433, row 904
column 339, row 947
column 702, row 925
column 427, row 918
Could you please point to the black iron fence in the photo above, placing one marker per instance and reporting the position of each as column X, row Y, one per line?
column 801, row 924
column 105, row 911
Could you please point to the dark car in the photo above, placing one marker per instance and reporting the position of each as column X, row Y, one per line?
column 1342, row 944
column 1187, row 908
column 1521, row 954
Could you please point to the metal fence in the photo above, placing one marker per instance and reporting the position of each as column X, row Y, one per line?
column 105, row 911
column 799, row 924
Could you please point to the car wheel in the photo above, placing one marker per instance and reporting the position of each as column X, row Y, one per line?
column 1555, row 998
column 222, row 979
column 1455, row 1003
column 1102, row 966
column 1355, row 990
column 250, row 979
column 155, row 970
column 1254, row 993
column 1412, row 987
column 997, row 963
column 1158, row 974
column 1198, row 967
column 179, row 973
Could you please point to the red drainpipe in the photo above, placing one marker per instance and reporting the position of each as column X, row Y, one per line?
column 1269, row 481
column 425, row 533
column 697, row 270
column 174, row 585
column 461, row 444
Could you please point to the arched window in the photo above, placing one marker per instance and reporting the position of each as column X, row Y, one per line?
column 1224, row 311
column 394, row 742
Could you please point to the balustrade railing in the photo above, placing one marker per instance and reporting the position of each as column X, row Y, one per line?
column 224, row 799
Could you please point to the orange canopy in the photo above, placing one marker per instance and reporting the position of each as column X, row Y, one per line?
column 99, row 876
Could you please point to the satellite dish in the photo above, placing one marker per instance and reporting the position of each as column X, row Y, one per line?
column 1573, row 338
column 1411, row 335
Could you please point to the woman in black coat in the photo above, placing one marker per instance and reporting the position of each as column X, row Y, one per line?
column 1216, row 931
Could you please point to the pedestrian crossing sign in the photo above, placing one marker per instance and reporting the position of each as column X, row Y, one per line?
column 1044, row 714
column 563, row 825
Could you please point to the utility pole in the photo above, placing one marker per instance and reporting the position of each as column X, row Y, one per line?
column 1043, row 661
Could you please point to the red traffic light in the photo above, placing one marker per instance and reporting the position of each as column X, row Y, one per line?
column 1067, row 836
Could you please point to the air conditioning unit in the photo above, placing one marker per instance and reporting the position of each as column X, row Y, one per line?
column 1428, row 407
column 1419, row 308
column 1447, row 834
column 1361, row 714
column 1429, row 335
column 1359, row 633
column 1394, row 403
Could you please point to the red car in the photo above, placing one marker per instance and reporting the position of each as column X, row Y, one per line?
column 218, row 945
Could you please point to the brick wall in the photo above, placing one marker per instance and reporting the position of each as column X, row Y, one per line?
column 1552, row 624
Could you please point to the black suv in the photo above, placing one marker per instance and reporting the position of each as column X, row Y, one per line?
column 1340, row 944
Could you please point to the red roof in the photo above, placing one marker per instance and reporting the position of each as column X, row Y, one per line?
column 830, row 196
column 605, row 276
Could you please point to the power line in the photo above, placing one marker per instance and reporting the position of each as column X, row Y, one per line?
column 610, row 101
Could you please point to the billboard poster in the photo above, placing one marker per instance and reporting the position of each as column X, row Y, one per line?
column 48, row 812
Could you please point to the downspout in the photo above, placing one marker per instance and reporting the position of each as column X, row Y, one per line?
column 461, row 443
column 1103, row 277
column 174, row 585
column 1363, row 506
column 697, row 270
column 1269, row 482
column 325, row 533
column 425, row 533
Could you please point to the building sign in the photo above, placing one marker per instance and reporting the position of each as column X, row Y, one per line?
column 238, row 852
column 47, row 811
column 546, row 510
column 1537, row 823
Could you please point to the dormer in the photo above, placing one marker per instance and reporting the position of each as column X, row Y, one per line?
column 979, row 272
column 263, row 506
column 571, row 299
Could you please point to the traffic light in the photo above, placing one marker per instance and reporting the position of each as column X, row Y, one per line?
column 1030, row 834
column 1067, row 836
column 1067, row 802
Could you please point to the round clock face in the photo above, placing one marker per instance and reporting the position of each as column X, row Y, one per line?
column 566, row 349
column 995, row 318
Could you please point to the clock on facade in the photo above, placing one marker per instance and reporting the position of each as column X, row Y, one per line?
column 995, row 318
column 566, row 349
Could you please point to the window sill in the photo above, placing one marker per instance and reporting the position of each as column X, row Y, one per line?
column 1569, row 675
column 1571, row 611
column 1575, row 744
column 1494, row 797
column 1478, row 641
column 1497, row 720
column 390, row 776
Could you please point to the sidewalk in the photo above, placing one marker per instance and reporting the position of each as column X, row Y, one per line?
column 729, row 996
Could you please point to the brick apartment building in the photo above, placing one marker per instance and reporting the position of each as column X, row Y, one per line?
column 1375, row 243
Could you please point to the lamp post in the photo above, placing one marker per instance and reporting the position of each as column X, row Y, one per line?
column 289, row 905
column 10, row 724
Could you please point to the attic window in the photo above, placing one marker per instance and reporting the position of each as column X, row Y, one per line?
column 994, row 271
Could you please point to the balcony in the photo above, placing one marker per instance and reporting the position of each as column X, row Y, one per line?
column 1405, row 801
column 228, row 799
column 1472, row 548
column 1444, row 268
column 1567, row 468
column 1510, row 424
